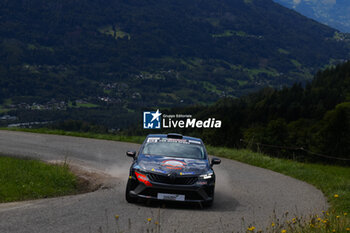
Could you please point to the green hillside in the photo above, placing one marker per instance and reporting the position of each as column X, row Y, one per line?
column 133, row 54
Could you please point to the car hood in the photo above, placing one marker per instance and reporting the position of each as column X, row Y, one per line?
column 166, row 165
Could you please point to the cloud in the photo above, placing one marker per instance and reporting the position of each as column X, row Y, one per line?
column 331, row 2
column 326, row 2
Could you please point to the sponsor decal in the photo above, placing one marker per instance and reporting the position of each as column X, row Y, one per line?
column 194, row 142
column 158, row 170
column 202, row 182
column 186, row 173
column 174, row 164
column 183, row 141
column 153, row 139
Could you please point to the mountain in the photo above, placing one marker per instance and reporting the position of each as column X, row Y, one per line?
column 335, row 13
column 130, row 54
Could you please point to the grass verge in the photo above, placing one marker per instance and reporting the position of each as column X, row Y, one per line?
column 114, row 137
column 333, row 181
column 25, row 179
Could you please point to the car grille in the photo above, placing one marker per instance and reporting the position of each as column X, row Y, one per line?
column 180, row 180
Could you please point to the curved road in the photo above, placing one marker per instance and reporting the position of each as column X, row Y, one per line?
column 244, row 194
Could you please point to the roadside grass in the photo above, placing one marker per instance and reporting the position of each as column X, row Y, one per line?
column 113, row 137
column 26, row 179
column 333, row 181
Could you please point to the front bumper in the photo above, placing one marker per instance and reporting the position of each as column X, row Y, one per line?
column 195, row 193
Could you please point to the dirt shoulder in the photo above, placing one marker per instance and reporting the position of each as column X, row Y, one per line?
column 89, row 180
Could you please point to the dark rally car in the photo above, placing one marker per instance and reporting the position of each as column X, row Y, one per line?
column 171, row 167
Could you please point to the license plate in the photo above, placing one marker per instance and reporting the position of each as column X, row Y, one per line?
column 170, row 196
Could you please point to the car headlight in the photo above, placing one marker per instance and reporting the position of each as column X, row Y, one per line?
column 139, row 168
column 207, row 176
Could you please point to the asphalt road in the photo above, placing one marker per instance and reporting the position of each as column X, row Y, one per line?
column 244, row 194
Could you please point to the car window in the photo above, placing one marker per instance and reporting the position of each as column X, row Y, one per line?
column 174, row 149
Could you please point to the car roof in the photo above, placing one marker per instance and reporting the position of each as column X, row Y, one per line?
column 166, row 136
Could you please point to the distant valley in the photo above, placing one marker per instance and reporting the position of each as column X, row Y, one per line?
column 335, row 13
column 92, row 60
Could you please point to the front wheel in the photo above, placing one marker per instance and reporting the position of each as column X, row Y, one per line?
column 128, row 197
column 208, row 204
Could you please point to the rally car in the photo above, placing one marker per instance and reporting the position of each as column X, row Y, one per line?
column 171, row 167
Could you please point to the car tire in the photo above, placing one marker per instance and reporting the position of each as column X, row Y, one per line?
column 129, row 198
column 208, row 204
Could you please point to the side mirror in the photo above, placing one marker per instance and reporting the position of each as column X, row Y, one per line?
column 131, row 154
column 215, row 161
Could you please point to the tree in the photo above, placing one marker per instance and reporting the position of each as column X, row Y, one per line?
column 333, row 137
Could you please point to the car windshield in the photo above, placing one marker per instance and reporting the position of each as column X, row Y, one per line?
column 174, row 149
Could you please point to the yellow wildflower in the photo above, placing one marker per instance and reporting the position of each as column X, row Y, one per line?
column 348, row 229
column 345, row 214
column 283, row 231
column 149, row 219
column 251, row 228
column 273, row 224
column 156, row 222
column 333, row 230
column 336, row 195
column 116, row 216
column 337, row 216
